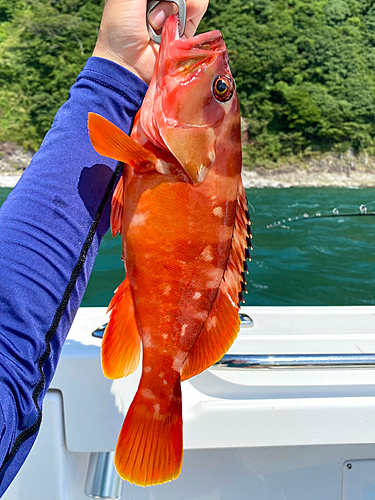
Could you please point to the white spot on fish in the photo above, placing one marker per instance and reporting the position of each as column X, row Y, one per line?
column 161, row 374
column 201, row 315
column 207, row 254
column 146, row 339
column 147, row 369
column 197, row 295
column 165, row 335
column 212, row 322
column 219, row 212
column 167, row 289
column 179, row 359
column 183, row 330
column 225, row 234
column 139, row 219
column 147, row 393
column 157, row 409
column 214, row 277
column 165, row 382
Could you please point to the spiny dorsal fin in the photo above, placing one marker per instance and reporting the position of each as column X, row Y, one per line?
column 223, row 323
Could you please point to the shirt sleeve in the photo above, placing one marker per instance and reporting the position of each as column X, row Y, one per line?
column 51, row 226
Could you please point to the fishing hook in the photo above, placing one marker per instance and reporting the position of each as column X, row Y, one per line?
column 151, row 4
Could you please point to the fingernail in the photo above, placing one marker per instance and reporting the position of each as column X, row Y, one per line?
column 157, row 19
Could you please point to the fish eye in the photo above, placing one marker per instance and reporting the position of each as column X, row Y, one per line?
column 223, row 88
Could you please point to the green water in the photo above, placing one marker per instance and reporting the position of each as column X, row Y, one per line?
column 313, row 262
column 308, row 262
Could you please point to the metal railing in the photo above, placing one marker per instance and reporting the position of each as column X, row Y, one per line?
column 295, row 361
column 283, row 361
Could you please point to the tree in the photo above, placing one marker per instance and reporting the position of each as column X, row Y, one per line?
column 44, row 47
column 304, row 69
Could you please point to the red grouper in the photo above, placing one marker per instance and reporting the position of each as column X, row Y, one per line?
column 182, row 211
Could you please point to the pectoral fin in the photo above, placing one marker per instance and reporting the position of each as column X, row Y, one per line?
column 108, row 140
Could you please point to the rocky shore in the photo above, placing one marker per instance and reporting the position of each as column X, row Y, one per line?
column 345, row 170
column 331, row 170
column 307, row 178
column 13, row 161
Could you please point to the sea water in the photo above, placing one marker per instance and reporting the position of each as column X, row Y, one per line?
column 300, row 257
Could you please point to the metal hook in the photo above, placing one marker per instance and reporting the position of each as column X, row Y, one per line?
column 151, row 4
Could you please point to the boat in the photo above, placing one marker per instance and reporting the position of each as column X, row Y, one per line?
column 287, row 414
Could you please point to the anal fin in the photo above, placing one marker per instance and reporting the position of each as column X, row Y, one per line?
column 121, row 346
column 223, row 323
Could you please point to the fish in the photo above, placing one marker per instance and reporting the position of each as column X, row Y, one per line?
column 182, row 211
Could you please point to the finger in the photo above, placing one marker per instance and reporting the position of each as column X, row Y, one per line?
column 160, row 14
column 195, row 10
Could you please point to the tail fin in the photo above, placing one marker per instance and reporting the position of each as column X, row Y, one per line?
column 149, row 448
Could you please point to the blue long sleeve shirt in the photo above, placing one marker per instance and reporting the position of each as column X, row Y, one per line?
column 51, row 226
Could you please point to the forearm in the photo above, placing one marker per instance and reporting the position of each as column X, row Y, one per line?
column 51, row 226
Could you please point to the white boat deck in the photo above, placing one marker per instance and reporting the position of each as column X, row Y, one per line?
column 265, row 434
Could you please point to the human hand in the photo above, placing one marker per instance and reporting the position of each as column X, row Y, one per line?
column 123, row 37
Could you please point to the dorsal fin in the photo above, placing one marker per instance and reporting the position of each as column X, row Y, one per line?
column 223, row 323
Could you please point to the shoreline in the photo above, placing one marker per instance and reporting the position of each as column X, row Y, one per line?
column 340, row 170
column 354, row 179
column 9, row 180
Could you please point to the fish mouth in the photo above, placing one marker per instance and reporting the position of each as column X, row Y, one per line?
column 194, row 49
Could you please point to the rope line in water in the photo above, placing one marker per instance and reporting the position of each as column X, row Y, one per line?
column 335, row 213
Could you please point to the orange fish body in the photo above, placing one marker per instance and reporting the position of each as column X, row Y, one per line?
column 182, row 212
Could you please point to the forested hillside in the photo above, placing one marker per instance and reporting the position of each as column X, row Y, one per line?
column 43, row 46
column 304, row 69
